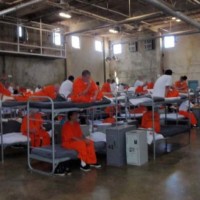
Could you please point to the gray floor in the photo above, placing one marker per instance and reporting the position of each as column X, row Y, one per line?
column 174, row 176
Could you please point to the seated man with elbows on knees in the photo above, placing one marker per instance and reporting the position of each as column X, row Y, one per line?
column 72, row 138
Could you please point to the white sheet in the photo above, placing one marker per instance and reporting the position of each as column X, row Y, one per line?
column 150, row 136
column 139, row 101
column 137, row 115
column 172, row 116
column 172, row 98
column 12, row 138
column 97, row 137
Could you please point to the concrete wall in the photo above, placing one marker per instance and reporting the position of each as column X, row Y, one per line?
column 85, row 58
column 132, row 64
column 31, row 71
column 184, row 58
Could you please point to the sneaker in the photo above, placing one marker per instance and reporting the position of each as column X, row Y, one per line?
column 97, row 165
column 57, row 173
column 68, row 171
column 86, row 168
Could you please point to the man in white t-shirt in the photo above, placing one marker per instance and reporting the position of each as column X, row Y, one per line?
column 163, row 84
column 66, row 87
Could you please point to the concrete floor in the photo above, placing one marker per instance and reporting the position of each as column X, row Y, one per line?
column 173, row 176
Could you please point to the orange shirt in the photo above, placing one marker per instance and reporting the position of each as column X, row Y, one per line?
column 48, row 91
column 35, row 123
column 106, row 88
column 172, row 93
column 181, row 85
column 4, row 91
column 147, row 121
column 150, row 85
column 139, row 109
column 69, row 131
column 109, row 120
column 79, row 86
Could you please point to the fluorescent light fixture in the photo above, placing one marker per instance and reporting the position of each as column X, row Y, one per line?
column 178, row 20
column 65, row 15
column 173, row 18
column 115, row 74
column 117, row 80
column 20, row 31
column 113, row 31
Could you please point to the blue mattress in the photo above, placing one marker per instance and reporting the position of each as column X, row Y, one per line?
column 172, row 130
column 11, row 104
column 66, row 104
column 60, row 152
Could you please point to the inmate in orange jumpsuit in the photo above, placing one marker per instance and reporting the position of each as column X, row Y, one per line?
column 147, row 121
column 4, row 91
column 190, row 115
column 106, row 90
column 38, row 136
column 48, row 91
column 86, row 151
column 172, row 93
column 181, row 86
column 79, row 86
column 139, row 109
column 140, row 90
column 150, row 85
column 111, row 120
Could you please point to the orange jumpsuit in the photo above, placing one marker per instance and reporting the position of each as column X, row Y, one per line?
column 140, row 90
column 150, row 85
column 172, row 93
column 106, row 90
column 190, row 115
column 147, row 121
column 38, row 136
column 4, row 91
column 181, row 86
column 79, row 86
column 139, row 109
column 86, row 150
column 109, row 120
column 48, row 91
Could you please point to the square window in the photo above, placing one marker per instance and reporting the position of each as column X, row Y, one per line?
column 169, row 41
column 98, row 46
column 117, row 48
column 57, row 38
column 75, row 42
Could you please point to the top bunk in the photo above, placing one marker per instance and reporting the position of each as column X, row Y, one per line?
column 61, row 106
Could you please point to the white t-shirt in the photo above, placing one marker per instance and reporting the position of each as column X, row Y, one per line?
column 185, row 105
column 113, row 87
column 138, row 83
column 161, row 84
column 66, row 88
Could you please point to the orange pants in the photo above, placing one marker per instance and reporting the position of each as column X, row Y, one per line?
column 40, row 139
column 86, row 152
column 190, row 116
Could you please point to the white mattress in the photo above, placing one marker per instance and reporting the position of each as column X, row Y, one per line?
column 139, row 101
column 137, row 115
column 171, row 116
column 12, row 138
column 172, row 98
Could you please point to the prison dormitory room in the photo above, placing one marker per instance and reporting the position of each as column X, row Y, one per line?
column 100, row 99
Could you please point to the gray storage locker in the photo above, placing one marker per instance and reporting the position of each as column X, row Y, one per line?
column 136, row 147
column 116, row 145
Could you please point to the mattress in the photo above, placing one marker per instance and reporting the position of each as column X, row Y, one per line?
column 11, row 104
column 14, row 138
column 60, row 152
column 172, row 130
column 172, row 116
column 137, row 115
column 139, row 101
column 66, row 104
